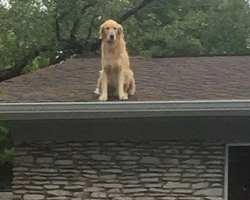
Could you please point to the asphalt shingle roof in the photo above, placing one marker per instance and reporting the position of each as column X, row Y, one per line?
column 157, row 79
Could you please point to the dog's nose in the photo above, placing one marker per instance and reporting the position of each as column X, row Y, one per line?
column 112, row 37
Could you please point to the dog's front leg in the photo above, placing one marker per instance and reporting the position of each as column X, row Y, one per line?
column 98, row 86
column 104, row 87
column 121, row 93
column 132, row 87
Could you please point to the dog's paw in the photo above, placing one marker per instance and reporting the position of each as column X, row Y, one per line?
column 132, row 92
column 103, row 98
column 97, row 91
column 123, row 97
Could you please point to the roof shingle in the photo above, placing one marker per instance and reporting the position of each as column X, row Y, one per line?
column 157, row 79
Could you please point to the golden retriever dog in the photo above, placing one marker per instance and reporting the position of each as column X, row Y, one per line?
column 116, row 70
column 129, row 84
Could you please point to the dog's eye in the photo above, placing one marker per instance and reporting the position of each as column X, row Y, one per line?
column 115, row 28
column 107, row 28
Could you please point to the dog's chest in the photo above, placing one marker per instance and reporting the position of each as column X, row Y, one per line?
column 111, row 64
column 112, row 72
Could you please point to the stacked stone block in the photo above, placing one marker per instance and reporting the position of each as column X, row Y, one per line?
column 170, row 170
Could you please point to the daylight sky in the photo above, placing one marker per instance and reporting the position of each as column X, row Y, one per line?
column 5, row 2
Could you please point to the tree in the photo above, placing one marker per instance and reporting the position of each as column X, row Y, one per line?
column 54, row 30
column 38, row 33
column 227, row 27
column 188, row 27
column 6, row 156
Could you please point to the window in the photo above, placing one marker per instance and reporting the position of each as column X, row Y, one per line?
column 239, row 172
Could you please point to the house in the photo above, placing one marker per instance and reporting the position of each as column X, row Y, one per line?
column 6, row 196
column 173, row 140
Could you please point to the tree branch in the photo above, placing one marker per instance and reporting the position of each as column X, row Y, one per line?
column 70, row 45
column 77, row 22
column 59, row 19
column 96, row 44
column 134, row 10
column 90, row 28
column 16, row 70
column 57, row 26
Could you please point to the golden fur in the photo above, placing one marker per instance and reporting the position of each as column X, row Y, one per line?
column 116, row 70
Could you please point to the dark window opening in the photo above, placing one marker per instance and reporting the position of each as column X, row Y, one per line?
column 239, row 173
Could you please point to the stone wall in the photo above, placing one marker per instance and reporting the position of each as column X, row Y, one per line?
column 5, row 195
column 119, row 171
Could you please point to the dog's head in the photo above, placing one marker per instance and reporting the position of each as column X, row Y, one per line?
column 110, row 31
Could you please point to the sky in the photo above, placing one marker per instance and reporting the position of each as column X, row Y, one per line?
column 5, row 2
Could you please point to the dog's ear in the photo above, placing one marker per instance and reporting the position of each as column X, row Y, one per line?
column 120, row 31
column 101, row 32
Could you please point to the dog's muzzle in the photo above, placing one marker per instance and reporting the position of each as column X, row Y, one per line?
column 111, row 37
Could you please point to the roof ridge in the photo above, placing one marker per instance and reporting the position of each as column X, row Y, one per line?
column 156, row 79
column 204, row 55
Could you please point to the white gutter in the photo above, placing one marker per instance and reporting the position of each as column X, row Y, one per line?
column 91, row 110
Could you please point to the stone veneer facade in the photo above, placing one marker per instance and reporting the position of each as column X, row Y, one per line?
column 169, row 170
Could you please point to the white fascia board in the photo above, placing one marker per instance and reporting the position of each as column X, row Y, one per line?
column 123, row 109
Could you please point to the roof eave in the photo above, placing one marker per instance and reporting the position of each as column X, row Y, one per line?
column 94, row 110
